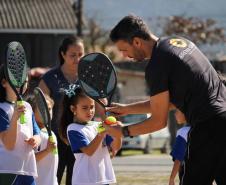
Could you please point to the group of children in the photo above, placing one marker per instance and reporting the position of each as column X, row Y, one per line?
column 25, row 149
column 26, row 152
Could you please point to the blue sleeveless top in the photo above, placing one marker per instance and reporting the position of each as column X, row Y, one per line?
column 56, row 82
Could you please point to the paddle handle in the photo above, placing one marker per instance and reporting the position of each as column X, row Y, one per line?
column 54, row 151
column 22, row 116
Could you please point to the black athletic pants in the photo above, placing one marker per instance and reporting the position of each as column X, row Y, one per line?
column 205, row 158
column 66, row 160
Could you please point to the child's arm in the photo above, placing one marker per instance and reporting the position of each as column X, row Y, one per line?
column 34, row 141
column 116, row 145
column 94, row 144
column 176, row 167
column 49, row 148
column 9, row 136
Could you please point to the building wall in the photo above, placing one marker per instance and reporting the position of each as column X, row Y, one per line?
column 41, row 49
column 132, row 86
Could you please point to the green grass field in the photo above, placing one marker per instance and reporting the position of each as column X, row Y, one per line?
column 136, row 178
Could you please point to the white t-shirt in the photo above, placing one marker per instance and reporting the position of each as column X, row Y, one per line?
column 21, row 160
column 89, row 170
column 47, row 167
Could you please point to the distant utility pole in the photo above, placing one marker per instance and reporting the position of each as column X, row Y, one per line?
column 78, row 7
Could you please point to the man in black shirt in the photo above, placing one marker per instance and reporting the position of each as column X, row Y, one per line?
column 178, row 75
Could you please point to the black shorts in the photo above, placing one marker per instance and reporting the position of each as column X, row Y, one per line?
column 205, row 158
column 7, row 179
column 13, row 179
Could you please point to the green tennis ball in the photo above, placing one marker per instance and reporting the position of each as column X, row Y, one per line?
column 110, row 120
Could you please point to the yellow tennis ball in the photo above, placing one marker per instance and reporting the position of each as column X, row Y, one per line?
column 110, row 120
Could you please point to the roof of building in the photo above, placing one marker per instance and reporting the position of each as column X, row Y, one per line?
column 37, row 16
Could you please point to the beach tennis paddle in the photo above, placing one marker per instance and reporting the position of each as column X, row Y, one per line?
column 44, row 113
column 16, row 71
column 97, row 77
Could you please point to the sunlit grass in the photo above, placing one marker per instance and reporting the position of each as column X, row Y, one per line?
column 138, row 152
column 144, row 178
column 138, row 178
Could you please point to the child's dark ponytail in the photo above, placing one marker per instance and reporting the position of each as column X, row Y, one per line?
column 71, row 97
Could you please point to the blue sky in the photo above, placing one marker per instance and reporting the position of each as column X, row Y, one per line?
column 108, row 12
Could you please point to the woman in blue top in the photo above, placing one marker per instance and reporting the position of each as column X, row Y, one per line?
column 53, row 83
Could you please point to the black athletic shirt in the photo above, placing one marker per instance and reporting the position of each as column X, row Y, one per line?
column 178, row 66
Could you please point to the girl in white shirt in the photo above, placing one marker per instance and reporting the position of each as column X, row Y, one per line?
column 17, row 141
column 46, row 156
column 93, row 163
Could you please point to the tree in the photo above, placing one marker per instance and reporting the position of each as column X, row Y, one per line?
column 96, row 36
column 198, row 30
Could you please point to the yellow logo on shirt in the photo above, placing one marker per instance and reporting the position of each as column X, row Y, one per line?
column 178, row 43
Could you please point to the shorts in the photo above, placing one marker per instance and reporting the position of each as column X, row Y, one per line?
column 13, row 179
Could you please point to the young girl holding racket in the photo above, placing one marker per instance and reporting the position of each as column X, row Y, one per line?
column 93, row 163
column 60, row 77
column 47, row 160
column 17, row 141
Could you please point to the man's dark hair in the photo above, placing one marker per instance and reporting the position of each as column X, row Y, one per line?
column 129, row 27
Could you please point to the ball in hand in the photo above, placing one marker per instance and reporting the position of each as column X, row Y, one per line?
column 110, row 120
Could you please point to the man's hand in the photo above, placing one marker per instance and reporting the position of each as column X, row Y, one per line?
column 117, row 109
column 115, row 130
